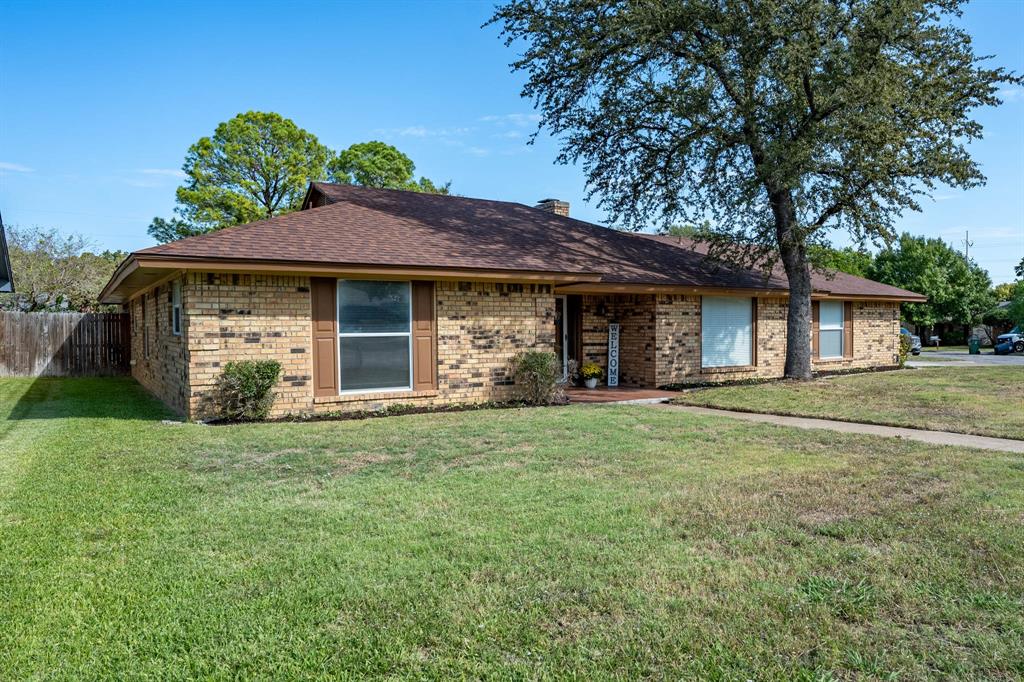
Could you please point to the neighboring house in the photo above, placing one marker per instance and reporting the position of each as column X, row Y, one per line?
column 371, row 297
column 6, row 278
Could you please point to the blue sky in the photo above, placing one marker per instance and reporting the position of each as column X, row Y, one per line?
column 100, row 102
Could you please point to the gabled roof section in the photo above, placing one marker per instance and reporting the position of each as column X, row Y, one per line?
column 347, row 227
column 6, row 276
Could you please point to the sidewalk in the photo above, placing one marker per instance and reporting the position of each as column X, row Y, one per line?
column 932, row 437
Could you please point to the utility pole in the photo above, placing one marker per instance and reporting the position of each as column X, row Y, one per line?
column 967, row 245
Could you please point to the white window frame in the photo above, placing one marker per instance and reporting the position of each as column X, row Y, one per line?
column 753, row 333
column 832, row 328
column 176, row 308
column 351, row 335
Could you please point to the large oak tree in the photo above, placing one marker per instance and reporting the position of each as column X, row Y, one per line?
column 778, row 120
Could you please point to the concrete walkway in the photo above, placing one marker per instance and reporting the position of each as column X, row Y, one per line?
column 932, row 437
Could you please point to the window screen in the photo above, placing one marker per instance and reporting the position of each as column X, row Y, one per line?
column 726, row 331
column 830, row 329
column 374, row 335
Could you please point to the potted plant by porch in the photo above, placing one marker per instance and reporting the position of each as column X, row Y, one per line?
column 591, row 372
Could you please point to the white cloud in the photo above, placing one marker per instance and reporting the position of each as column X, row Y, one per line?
column 1012, row 93
column 15, row 167
column 989, row 232
column 423, row 131
column 170, row 172
column 519, row 120
column 477, row 151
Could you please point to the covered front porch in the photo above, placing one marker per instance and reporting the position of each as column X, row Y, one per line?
column 582, row 334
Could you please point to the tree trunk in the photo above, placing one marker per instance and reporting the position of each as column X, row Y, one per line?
column 798, row 271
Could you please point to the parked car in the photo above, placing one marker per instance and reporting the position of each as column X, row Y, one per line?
column 915, row 341
column 1010, row 342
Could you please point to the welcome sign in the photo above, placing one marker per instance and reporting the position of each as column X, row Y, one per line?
column 613, row 354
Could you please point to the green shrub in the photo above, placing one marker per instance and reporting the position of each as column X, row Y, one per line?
column 904, row 349
column 538, row 376
column 245, row 389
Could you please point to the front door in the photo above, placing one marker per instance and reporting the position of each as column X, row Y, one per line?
column 568, row 320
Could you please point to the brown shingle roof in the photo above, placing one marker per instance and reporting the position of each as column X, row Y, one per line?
column 374, row 227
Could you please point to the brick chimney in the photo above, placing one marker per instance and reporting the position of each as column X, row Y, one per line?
column 554, row 206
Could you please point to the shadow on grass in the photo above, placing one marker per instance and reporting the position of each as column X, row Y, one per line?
column 81, row 398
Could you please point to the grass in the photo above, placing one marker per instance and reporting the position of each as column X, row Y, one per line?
column 588, row 542
column 985, row 401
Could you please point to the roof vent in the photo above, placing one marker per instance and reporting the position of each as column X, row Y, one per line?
column 555, row 206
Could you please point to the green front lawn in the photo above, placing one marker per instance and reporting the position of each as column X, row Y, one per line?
column 590, row 541
column 987, row 401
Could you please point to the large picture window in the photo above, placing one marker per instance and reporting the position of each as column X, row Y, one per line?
column 374, row 336
column 830, row 329
column 726, row 331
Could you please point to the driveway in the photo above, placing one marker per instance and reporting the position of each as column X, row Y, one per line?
column 961, row 358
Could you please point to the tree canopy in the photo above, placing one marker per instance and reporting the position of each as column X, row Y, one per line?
column 847, row 259
column 778, row 120
column 376, row 164
column 958, row 290
column 255, row 166
column 56, row 271
column 258, row 165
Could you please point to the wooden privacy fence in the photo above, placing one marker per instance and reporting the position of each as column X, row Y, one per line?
column 64, row 344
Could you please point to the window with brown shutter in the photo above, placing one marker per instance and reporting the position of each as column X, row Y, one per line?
column 424, row 337
column 325, row 336
column 815, row 329
column 848, row 329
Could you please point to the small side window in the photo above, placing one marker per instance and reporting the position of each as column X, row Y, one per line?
column 176, row 308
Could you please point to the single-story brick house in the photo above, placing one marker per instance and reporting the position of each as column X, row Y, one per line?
column 369, row 297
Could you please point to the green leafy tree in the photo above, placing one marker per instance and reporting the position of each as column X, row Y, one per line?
column 56, row 271
column 255, row 166
column 1003, row 292
column 778, row 120
column 847, row 259
column 376, row 164
column 1019, row 269
column 687, row 230
column 1015, row 312
column 958, row 290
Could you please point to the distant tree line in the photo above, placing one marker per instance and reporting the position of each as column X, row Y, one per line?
column 959, row 291
column 56, row 272
column 258, row 164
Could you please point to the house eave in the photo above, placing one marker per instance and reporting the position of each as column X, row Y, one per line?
column 142, row 271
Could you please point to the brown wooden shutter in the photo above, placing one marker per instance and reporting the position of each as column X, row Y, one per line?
column 848, row 329
column 424, row 337
column 753, row 330
column 323, row 292
column 815, row 330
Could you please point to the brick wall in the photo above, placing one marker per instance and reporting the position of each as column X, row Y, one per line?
column 163, row 368
column 480, row 327
column 248, row 317
column 876, row 330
